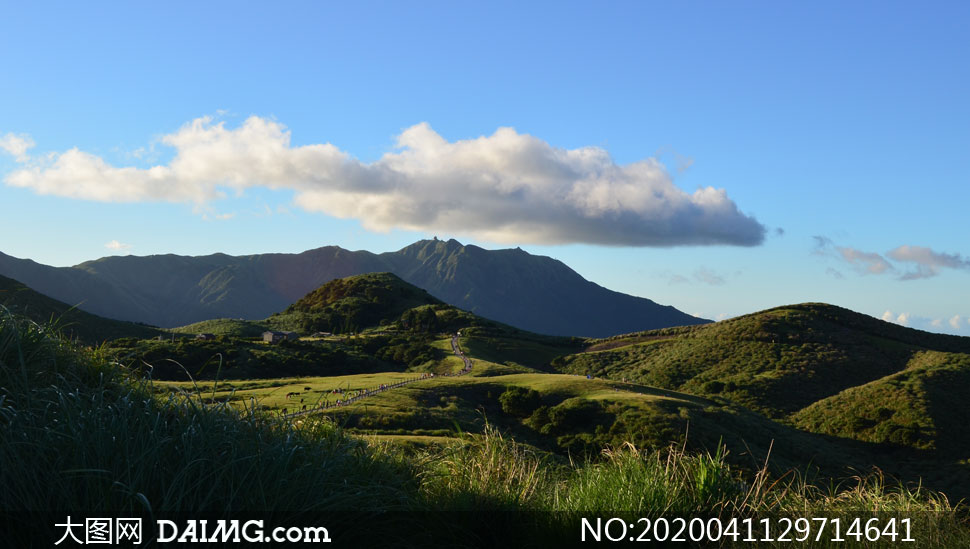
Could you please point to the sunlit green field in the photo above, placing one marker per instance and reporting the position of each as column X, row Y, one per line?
column 431, row 402
column 271, row 393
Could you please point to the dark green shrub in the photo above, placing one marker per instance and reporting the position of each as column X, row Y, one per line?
column 713, row 387
column 519, row 401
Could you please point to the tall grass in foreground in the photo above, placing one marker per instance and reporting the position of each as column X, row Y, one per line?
column 489, row 472
column 77, row 436
column 485, row 471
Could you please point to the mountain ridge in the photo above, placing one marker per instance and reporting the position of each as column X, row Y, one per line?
column 535, row 293
column 70, row 321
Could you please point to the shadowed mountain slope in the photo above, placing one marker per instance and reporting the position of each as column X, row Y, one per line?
column 535, row 293
column 72, row 321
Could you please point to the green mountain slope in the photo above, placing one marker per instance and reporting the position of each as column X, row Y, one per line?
column 356, row 302
column 923, row 406
column 776, row 361
column 73, row 322
column 534, row 293
column 401, row 325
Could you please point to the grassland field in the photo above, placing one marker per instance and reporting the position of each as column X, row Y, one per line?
column 513, row 435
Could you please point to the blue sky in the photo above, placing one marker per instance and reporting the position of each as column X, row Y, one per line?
column 847, row 122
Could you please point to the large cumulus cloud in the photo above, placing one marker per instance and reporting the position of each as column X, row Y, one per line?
column 506, row 187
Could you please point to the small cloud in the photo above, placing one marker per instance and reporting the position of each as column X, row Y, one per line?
column 862, row 262
column 684, row 164
column 865, row 262
column 901, row 318
column 779, row 231
column 722, row 316
column 214, row 216
column 117, row 246
column 927, row 263
column 822, row 245
column 17, row 145
column 708, row 276
column 953, row 324
column 834, row 273
column 677, row 279
column 208, row 213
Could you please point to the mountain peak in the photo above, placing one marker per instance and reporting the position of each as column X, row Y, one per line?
column 512, row 286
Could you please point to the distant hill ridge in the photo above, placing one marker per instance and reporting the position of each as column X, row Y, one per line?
column 819, row 367
column 72, row 322
column 534, row 293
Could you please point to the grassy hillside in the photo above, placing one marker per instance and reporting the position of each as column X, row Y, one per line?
column 356, row 302
column 74, row 322
column 923, row 406
column 399, row 329
column 776, row 361
column 232, row 327
column 235, row 358
column 78, row 430
column 574, row 416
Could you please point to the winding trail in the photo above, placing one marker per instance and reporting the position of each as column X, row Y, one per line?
column 384, row 388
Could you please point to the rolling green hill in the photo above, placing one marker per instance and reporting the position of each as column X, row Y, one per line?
column 356, row 302
column 776, row 361
column 923, row 406
column 73, row 322
column 820, row 369
column 378, row 321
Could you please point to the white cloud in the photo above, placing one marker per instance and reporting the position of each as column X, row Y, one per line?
column 953, row 324
column 866, row 262
column 506, row 187
column 901, row 318
column 862, row 262
column 117, row 246
column 17, row 145
column 927, row 262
